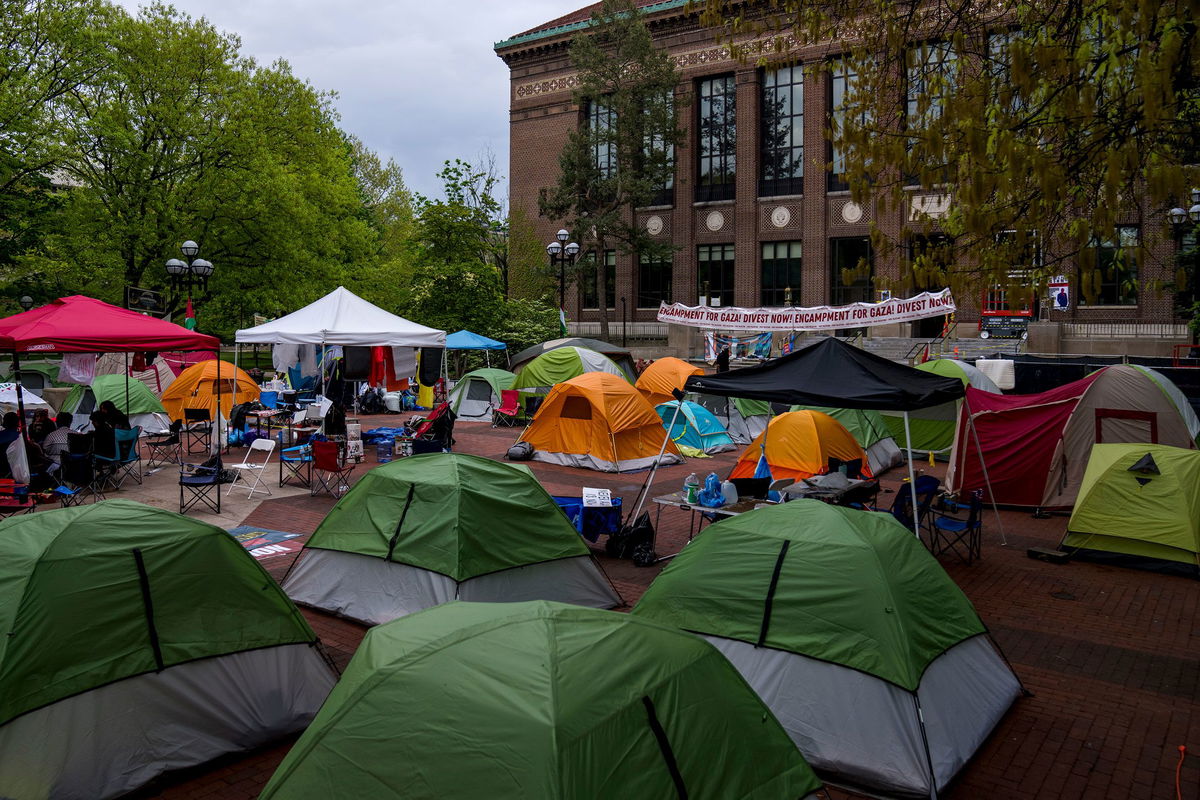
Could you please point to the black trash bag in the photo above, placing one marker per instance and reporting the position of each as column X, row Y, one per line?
column 521, row 451
column 626, row 542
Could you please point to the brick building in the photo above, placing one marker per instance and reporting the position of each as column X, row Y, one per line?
column 755, row 213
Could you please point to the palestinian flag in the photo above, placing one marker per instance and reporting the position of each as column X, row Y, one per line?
column 189, row 317
column 562, row 321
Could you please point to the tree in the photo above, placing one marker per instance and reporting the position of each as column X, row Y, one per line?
column 625, row 156
column 387, row 207
column 1046, row 122
column 528, row 272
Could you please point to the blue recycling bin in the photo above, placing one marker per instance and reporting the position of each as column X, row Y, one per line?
column 592, row 521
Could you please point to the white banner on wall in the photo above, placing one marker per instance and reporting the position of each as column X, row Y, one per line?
column 817, row 318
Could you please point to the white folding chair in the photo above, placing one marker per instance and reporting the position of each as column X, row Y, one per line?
column 255, row 468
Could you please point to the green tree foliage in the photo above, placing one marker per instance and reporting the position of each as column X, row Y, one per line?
column 607, row 170
column 528, row 269
column 387, row 207
column 1053, row 120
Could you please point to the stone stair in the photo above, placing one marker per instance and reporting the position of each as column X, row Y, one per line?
column 898, row 348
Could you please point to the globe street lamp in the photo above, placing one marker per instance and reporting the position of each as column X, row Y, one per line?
column 26, row 302
column 193, row 273
column 562, row 253
column 1182, row 221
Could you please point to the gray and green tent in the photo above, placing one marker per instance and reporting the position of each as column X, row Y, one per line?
column 140, row 641
column 932, row 428
column 477, row 394
column 140, row 405
column 867, row 426
column 1140, row 501
column 540, row 700
column 873, row 660
column 541, row 374
column 444, row 526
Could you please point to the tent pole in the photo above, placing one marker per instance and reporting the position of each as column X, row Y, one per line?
column 912, row 480
column 126, row 354
column 650, row 478
column 235, row 369
column 217, row 421
column 20, row 395
column 987, row 481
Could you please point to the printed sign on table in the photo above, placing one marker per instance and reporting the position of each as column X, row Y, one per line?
column 596, row 498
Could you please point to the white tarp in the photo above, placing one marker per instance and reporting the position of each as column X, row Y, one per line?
column 8, row 398
column 374, row 591
column 113, row 739
column 342, row 317
column 865, row 733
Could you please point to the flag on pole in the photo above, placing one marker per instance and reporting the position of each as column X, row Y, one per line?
column 189, row 317
column 562, row 321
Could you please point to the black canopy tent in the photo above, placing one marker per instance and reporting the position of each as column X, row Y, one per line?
column 833, row 373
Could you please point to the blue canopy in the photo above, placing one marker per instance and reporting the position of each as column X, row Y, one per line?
column 465, row 340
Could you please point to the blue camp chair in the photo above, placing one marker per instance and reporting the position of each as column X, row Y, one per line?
column 961, row 536
column 125, row 462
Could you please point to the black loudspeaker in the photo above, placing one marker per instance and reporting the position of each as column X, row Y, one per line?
column 356, row 363
column 431, row 365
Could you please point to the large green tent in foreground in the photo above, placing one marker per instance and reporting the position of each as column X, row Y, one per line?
column 1140, row 500
column 443, row 526
column 138, row 641
column 873, row 660
column 540, row 700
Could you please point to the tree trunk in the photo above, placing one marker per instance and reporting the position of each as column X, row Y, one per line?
column 602, row 289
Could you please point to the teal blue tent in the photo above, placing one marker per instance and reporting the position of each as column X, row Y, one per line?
column 695, row 427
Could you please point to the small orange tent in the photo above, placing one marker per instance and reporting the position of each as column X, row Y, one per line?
column 196, row 387
column 598, row 421
column 799, row 444
column 664, row 374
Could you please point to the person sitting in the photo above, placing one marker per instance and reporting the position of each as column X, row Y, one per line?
column 10, row 431
column 55, row 446
column 104, row 440
column 115, row 416
column 41, row 426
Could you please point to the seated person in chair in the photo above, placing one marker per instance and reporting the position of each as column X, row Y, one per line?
column 104, row 442
column 9, row 432
column 41, row 426
column 55, row 446
column 115, row 416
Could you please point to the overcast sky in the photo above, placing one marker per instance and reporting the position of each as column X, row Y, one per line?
column 417, row 80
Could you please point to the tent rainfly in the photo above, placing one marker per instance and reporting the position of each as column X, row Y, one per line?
column 933, row 427
column 618, row 355
column 869, row 428
column 799, row 445
column 694, row 427
column 140, row 641
column 539, row 700
column 546, row 371
column 432, row 528
column 663, row 376
column 871, row 657
column 477, row 394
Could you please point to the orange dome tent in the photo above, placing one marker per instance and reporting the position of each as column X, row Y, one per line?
column 598, row 421
column 799, row 445
column 657, row 380
column 196, row 387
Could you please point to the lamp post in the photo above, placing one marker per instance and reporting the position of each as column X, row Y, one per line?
column 193, row 273
column 1180, row 221
column 624, row 322
column 562, row 254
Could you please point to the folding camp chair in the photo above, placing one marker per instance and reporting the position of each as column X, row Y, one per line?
column 509, row 410
column 197, row 429
column 927, row 486
column 126, row 461
column 329, row 469
column 295, row 466
column 248, row 467
column 166, row 448
column 77, row 472
column 199, row 484
column 963, row 537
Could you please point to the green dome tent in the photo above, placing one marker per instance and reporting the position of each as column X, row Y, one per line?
column 1139, row 500
column 143, row 408
column 443, row 526
column 819, row 606
column 868, row 427
column 477, row 394
column 539, row 700
column 556, row 366
column 140, row 641
column 933, row 428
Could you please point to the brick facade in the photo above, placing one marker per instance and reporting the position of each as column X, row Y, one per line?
column 542, row 113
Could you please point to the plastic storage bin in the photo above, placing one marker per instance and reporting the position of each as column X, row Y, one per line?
column 592, row 521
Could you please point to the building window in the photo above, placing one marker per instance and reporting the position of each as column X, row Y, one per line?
column 600, row 120
column 588, row 277
column 716, row 165
column 1115, row 279
column 656, row 145
column 1002, row 91
column 932, row 68
column 654, row 281
column 843, row 83
column 780, row 273
column 715, row 268
column 782, row 169
column 851, row 267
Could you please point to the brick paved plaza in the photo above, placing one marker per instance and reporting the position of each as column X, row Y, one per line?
column 1109, row 654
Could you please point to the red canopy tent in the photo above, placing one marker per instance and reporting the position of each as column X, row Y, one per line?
column 79, row 324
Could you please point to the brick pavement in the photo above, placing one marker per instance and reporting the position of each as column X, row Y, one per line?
column 1109, row 654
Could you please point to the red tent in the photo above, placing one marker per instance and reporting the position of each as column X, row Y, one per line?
column 1018, row 434
column 79, row 324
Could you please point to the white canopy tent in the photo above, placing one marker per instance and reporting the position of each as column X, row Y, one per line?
column 343, row 318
